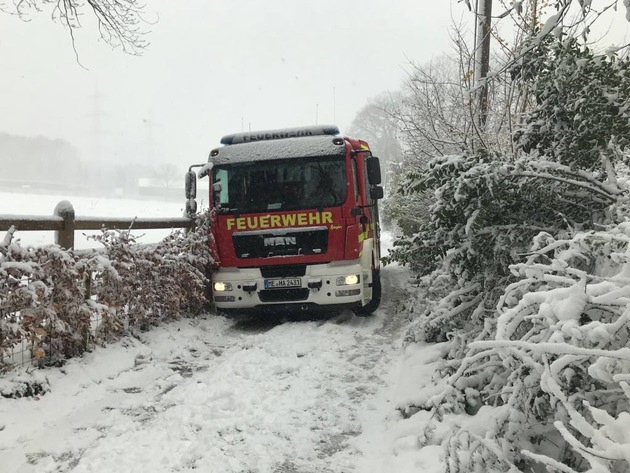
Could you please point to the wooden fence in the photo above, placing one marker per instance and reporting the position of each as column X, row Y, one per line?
column 64, row 223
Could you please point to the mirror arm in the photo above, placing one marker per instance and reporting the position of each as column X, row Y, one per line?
column 195, row 166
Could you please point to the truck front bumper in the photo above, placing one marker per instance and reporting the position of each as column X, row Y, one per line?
column 317, row 286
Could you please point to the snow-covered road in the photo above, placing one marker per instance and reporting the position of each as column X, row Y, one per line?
column 217, row 395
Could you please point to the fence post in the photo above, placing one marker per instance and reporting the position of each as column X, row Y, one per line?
column 65, row 237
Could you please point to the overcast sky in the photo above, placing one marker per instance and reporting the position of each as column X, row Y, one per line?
column 213, row 67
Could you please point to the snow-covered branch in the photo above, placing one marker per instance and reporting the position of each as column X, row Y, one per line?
column 119, row 21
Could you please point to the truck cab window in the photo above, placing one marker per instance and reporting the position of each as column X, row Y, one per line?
column 293, row 184
column 221, row 177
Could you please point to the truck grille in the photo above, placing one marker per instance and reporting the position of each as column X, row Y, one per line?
column 290, row 242
column 283, row 295
column 283, row 271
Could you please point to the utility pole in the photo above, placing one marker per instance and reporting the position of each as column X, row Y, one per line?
column 483, row 12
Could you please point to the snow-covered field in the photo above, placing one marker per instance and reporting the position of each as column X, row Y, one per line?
column 44, row 204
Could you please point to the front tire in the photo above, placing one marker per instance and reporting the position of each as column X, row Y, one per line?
column 369, row 308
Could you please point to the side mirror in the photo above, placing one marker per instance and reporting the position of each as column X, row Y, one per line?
column 373, row 170
column 191, row 207
column 376, row 192
column 191, row 185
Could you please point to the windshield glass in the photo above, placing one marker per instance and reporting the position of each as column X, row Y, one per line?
column 288, row 184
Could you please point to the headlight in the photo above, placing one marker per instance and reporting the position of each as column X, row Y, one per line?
column 222, row 286
column 349, row 280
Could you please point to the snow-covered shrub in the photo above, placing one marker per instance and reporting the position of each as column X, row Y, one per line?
column 21, row 286
column 42, row 300
column 57, row 303
column 144, row 284
column 581, row 111
column 555, row 364
column 485, row 213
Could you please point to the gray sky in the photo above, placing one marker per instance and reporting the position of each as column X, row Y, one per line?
column 213, row 67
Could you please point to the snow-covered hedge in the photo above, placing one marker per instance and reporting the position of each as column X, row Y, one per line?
column 536, row 335
column 581, row 113
column 58, row 303
column 485, row 213
column 549, row 375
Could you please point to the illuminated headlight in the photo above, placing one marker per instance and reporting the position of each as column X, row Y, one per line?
column 220, row 286
column 349, row 280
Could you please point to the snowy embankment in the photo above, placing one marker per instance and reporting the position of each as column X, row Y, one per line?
column 218, row 395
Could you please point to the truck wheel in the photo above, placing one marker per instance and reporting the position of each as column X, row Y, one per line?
column 371, row 306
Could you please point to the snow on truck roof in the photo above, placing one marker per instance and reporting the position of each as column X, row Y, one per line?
column 279, row 144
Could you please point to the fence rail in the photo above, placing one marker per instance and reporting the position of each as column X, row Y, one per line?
column 64, row 223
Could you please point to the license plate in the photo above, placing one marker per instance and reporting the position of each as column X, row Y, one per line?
column 282, row 283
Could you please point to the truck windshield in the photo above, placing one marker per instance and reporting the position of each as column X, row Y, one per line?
column 288, row 184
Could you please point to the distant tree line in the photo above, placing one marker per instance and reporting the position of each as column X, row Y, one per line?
column 53, row 165
column 38, row 160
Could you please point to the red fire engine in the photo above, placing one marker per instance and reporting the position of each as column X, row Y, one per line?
column 296, row 221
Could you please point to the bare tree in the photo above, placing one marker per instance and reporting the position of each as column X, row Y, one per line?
column 119, row 21
column 436, row 112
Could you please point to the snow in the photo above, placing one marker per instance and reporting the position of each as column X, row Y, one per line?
column 63, row 208
column 307, row 146
column 213, row 395
column 205, row 170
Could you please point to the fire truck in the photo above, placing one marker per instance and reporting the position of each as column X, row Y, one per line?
column 295, row 221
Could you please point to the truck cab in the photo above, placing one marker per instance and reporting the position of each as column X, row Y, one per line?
column 296, row 222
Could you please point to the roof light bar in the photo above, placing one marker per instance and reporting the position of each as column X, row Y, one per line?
column 248, row 137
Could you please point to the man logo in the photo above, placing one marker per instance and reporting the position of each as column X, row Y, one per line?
column 280, row 241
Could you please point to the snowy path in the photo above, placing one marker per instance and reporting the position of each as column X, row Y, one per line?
column 215, row 395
